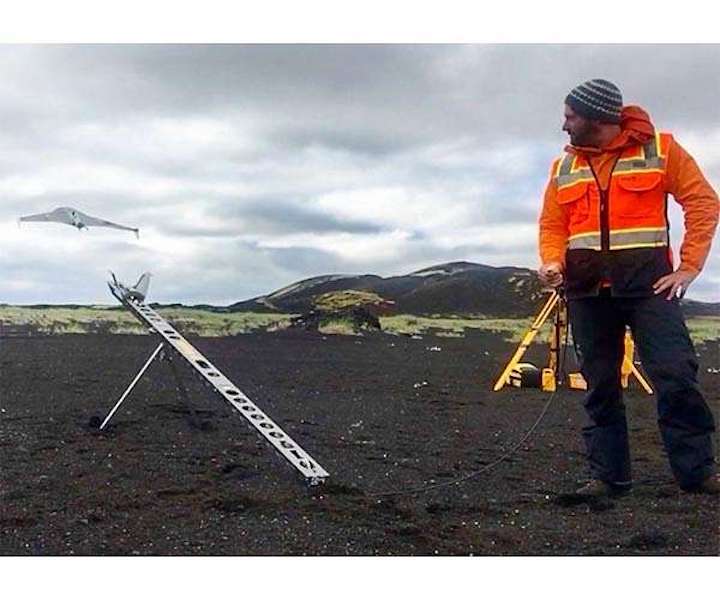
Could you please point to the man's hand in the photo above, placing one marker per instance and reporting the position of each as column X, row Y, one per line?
column 676, row 282
column 551, row 274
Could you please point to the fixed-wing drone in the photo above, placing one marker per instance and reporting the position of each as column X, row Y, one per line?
column 76, row 218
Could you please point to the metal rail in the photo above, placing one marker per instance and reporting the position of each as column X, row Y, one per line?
column 211, row 375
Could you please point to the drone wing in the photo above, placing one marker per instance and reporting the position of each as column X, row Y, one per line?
column 55, row 216
column 90, row 221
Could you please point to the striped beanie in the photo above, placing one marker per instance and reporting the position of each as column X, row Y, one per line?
column 597, row 99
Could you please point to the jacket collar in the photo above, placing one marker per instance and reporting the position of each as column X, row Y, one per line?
column 636, row 129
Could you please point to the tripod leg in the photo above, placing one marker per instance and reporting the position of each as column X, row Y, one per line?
column 551, row 376
column 529, row 336
column 628, row 366
column 641, row 379
column 131, row 386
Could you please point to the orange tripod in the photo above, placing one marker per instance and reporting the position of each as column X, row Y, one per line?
column 527, row 375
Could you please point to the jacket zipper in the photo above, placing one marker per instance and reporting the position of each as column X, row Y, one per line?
column 604, row 206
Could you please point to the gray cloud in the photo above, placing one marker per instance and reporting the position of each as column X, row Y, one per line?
column 270, row 215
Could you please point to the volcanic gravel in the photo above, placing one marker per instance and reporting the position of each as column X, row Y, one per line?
column 381, row 413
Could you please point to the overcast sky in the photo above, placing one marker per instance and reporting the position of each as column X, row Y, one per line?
column 250, row 167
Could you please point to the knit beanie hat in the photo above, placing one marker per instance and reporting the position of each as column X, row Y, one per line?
column 596, row 99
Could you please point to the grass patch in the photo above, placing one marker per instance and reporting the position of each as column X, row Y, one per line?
column 189, row 321
column 210, row 324
column 510, row 329
column 704, row 329
column 338, row 327
column 70, row 320
column 339, row 300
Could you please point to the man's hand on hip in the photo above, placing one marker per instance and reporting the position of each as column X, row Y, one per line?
column 677, row 283
column 551, row 274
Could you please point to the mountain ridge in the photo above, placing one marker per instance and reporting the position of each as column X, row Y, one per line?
column 453, row 288
column 459, row 287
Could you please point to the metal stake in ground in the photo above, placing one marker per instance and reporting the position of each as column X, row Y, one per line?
column 132, row 298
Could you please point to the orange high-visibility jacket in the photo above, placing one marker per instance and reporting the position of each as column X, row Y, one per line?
column 604, row 215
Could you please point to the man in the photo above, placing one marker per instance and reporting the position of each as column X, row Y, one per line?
column 604, row 235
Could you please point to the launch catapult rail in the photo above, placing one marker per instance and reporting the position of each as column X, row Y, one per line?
column 133, row 300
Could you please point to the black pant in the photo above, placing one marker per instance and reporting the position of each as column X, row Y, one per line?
column 668, row 357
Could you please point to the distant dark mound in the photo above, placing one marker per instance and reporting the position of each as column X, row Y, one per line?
column 300, row 296
column 451, row 288
column 356, row 318
column 466, row 288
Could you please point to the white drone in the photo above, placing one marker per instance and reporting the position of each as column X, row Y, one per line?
column 76, row 218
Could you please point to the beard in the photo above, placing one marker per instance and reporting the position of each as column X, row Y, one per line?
column 584, row 134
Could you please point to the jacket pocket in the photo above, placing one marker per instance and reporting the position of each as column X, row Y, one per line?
column 575, row 201
column 638, row 195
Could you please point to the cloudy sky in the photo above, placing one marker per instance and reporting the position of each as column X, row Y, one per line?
column 250, row 167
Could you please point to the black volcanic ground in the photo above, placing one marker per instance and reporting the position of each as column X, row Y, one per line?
column 381, row 413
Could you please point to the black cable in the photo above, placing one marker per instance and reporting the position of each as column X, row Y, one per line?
column 474, row 474
column 510, row 452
